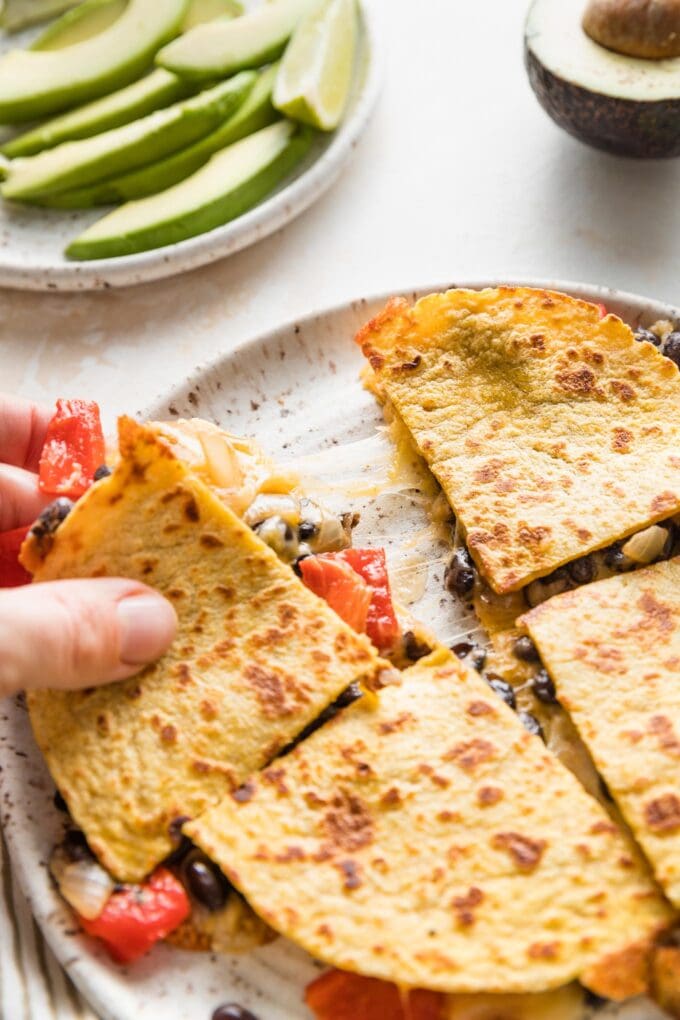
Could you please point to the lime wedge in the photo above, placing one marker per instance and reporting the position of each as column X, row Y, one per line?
column 316, row 71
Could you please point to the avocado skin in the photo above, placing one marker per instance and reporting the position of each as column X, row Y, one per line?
column 199, row 221
column 645, row 130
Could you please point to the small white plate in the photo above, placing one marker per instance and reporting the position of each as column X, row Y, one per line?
column 32, row 240
column 297, row 391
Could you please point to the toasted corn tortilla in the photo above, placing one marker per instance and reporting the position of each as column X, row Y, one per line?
column 256, row 658
column 432, row 841
column 613, row 650
column 551, row 431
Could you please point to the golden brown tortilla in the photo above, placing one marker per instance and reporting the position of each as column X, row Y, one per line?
column 551, row 430
column 256, row 658
column 613, row 650
column 430, row 840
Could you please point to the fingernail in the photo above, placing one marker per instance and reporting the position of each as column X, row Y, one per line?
column 147, row 625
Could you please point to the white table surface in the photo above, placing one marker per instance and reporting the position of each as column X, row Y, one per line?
column 460, row 175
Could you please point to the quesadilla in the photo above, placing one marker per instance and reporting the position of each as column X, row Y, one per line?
column 257, row 657
column 430, row 840
column 613, row 651
column 550, row 429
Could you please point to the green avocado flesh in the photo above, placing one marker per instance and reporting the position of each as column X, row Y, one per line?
column 554, row 34
column 224, row 47
column 201, row 11
column 233, row 181
column 83, row 22
column 93, row 159
column 151, row 93
column 18, row 14
column 255, row 113
column 622, row 104
column 36, row 83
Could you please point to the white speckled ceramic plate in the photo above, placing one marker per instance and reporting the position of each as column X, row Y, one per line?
column 297, row 391
column 32, row 240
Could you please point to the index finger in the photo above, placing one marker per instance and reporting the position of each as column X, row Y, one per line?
column 22, row 431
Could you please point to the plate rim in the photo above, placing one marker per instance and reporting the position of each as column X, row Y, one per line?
column 266, row 218
column 579, row 289
column 25, row 873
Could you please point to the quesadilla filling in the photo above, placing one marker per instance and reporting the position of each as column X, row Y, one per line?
column 187, row 898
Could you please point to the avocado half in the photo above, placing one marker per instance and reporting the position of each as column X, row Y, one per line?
column 625, row 105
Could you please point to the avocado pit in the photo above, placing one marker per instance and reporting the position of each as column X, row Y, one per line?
column 649, row 29
column 610, row 76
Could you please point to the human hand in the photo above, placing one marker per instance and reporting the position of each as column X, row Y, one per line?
column 65, row 634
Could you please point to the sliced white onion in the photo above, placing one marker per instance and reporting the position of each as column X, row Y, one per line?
column 221, row 461
column 647, row 545
column 83, row 884
column 273, row 505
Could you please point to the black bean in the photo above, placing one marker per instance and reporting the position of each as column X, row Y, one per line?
column 582, row 571
column 349, row 696
column 671, row 347
column 48, row 522
column 459, row 578
column 230, row 1011
column 544, row 688
column 669, row 544
column 307, row 530
column 102, row 472
column 183, row 844
column 205, row 881
column 75, row 846
column 298, row 561
column 413, row 648
column 594, row 1001
column 502, row 688
column 59, row 802
column 614, row 558
column 525, row 649
column 531, row 723
column 646, row 334
column 475, row 654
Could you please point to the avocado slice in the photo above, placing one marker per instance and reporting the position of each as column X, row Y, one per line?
column 156, row 90
column 223, row 47
column 93, row 159
column 18, row 14
column 83, row 22
column 93, row 16
column 201, row 11
column 622, row 104
column 254, row 113
column 232, row 182
column 35, row 83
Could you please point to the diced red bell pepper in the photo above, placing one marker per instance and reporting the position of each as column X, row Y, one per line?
column 335, row 581
column 603, row 309
column 325, row 574
column 338, row 995
column 12, row 574
column 136, row 918
column 73, row 450
column 382, row 625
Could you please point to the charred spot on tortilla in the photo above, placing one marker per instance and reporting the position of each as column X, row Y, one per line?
column 613, row 652
column 225, row 703
column 514, row 395
column 400, row 808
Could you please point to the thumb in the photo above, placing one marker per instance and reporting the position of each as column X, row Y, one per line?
column 68, row 634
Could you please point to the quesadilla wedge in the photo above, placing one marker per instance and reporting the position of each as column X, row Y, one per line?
column 613, row 652
column 256, row 659
column 550, row 429
column 429, row 840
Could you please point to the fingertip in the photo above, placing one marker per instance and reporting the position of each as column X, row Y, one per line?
column 147, row 625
